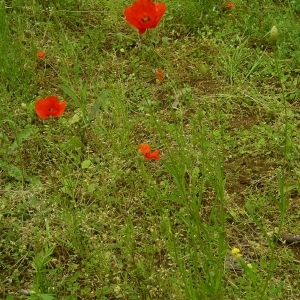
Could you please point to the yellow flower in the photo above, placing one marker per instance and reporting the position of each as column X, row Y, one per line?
column 236, row 252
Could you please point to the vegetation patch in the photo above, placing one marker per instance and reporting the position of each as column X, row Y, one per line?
column 149, row 150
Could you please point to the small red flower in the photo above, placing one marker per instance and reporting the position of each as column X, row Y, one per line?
column 145, row 151
column 144, row 14
column 41, row 54
column 50, row 106
column 160, row 75
column 144, row 148
column 230, row 5
column 152, row 155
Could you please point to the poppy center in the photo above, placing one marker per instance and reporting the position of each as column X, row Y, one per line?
column 51, row 109
column 146, row 19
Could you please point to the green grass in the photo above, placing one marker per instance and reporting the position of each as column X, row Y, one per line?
column 84, row 216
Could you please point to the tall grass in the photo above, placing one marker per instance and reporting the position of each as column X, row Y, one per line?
column 85, row 216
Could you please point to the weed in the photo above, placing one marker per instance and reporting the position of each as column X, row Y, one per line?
column 83, row 215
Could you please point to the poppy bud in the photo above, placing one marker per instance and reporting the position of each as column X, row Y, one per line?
column 203, row 69
column 119, row 36
column 230, row 6
column 274, row 34
column 23, row 106
column 159, row 75
column 41, row 54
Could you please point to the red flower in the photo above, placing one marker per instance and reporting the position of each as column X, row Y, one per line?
column 143, row 14
column 159, row 75
column 41, row 54
column 144, row 148
column 145, row 151
column 50, row 106
column 230, row 5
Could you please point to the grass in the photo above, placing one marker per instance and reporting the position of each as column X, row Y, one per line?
column 85, row 216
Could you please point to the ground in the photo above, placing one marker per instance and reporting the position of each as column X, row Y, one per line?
column 84, row 215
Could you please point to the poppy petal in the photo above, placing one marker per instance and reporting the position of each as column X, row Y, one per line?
column 41, row 54
column 160, row 75
column 53, row 101
column 142, row 30
column 144, row 14
column 144, row 148
column 153, row 155
column 42, row 109
column 131, row 17
column 153, row 12
column 61, row 108
column 160, row 10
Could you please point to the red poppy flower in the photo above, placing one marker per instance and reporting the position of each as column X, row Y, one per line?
column 144, row 14
column 50, row 106
column 159, row 75
column 145, row 151
column 144, row 148
column 152, row 155
column 230, row 5
column 41, row 54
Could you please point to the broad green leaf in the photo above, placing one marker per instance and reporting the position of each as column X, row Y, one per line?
column 3, row 138
column 74, row 119
column 97, row 104
column 80, row 101
column 41, row 297
column 20, row 137
column 85, row 164
column 24, row 134
column 74, row 142
column 47, row 297
column 15, row 172
column 67, row 90
column 92, row 187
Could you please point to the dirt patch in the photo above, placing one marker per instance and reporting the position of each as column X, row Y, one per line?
column 244, row 120
column 247, row 172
